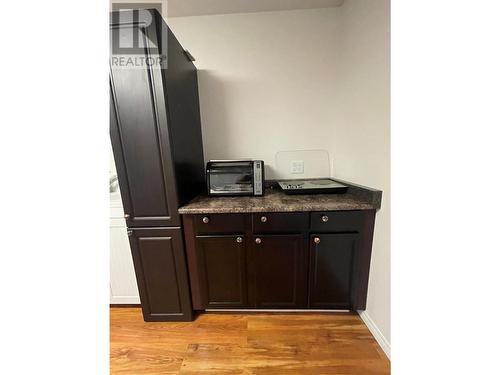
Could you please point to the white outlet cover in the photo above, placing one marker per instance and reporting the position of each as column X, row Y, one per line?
column 316, row 164
column 297, row 167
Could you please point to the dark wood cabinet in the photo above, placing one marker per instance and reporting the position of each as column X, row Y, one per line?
column 337, row 221
column 157, row 145
column 161, row 272
column 222, row 270
column 276, row 222
column 280, row 270
column 219, row 224
column 155, row 120
column 317, row 260
column 331, row 257
column 141, row 148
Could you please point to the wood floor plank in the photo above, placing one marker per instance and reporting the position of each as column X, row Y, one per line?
column 278, row 359
column 305, row 343
column 145, row 359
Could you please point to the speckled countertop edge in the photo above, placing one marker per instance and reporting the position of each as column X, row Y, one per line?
column 274, row 200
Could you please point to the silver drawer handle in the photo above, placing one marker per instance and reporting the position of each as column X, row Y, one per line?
column 317, row 240
column 205, row 219
column 129, row 233
column 126, row 216
column 239, row 239
column 258, row 241
column 263, row 219
column 324, row 218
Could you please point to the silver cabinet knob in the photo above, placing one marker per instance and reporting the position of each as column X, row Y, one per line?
column 239, row 239
column 263, row 219
column 324, row 218
column 126, row 216
column 258, row 240
column 129, row 232
column 317, row 240
column 205, row 219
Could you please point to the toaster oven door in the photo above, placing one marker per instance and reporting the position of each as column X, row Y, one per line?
column 230, row 178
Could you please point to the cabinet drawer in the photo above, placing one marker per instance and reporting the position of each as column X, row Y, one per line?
column 219, row 223
column 280, row 222
column 337, row 221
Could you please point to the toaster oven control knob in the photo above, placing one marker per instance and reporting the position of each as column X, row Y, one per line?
column 324, row 218
column 263, row 219
column 258, row 241
column 205, row 219
column 317, row 240
column 239, row 239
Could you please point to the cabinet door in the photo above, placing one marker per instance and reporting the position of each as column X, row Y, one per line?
column 160, row 268
column 140, row 136
column 331, row 270
column 222, row 271
column 280, row 270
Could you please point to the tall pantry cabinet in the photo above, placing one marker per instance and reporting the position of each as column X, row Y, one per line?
column 157, row 145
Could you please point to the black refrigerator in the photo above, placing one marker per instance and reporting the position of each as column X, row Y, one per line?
column 157, row 145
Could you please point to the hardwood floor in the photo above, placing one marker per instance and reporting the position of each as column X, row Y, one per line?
column 263, row 343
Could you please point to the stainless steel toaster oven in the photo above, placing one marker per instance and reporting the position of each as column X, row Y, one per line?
column 235, row 177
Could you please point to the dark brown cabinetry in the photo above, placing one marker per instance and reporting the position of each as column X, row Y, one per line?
column 331, row 270
column 161, row 273
column 338, row 221
column 280, row 271
column 290, row 222
column 154, row 123
column 222, row 270
column 317, row 260
column 156, row 137
column 142, row 155
column 216, row 224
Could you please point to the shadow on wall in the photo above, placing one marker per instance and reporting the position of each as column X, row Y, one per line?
column 227, row 117
column 215, row 124
column 228, row 129
column 221, row 138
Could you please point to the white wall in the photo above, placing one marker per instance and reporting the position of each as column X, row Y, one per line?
column 266, row 80
column 306, row 79
column 362, row 152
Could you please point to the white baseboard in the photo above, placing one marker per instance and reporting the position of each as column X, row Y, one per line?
column 382, row 341
column 125, row 300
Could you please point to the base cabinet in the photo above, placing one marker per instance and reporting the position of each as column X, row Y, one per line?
column 280, row 271
column 161, row 274
column 331, row 267
column 299, row 260
column 222, row 270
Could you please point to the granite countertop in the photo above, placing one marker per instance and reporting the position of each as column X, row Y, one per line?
column 274, row 200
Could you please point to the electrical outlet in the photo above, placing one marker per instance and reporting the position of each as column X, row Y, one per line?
column 297, row 166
